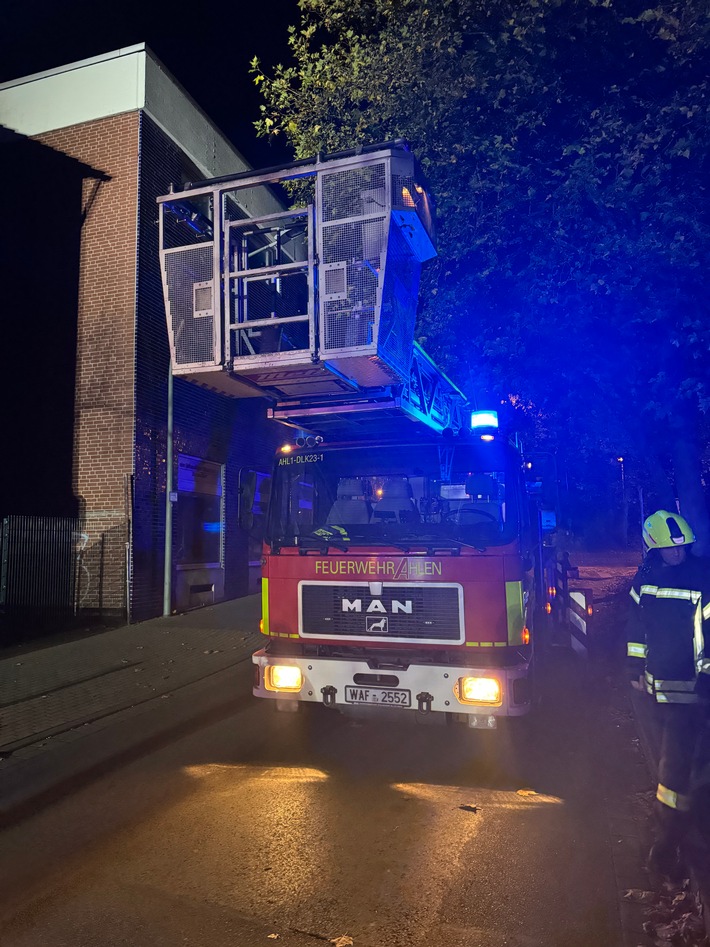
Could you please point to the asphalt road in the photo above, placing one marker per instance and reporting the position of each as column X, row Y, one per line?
column 313, row 828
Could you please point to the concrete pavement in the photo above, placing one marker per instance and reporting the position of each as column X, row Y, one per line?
column 68, row 710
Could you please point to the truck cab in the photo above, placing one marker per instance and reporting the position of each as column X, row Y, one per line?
column 394, row 574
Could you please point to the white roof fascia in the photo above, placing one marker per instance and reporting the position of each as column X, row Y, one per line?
column 77, row 93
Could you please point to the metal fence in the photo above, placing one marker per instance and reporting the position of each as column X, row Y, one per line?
column 38, row 574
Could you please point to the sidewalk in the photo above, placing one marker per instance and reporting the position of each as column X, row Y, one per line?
column 58, row 702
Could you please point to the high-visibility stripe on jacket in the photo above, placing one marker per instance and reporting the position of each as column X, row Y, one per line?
column 674, row 800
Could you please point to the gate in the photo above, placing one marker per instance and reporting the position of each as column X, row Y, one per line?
column 38, row 574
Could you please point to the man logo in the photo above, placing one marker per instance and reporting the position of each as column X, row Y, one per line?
column 375, row 626
column 355, row 605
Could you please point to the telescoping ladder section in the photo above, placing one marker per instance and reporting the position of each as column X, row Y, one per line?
column 312, row 305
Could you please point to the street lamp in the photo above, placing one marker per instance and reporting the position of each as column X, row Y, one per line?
column 623, row 482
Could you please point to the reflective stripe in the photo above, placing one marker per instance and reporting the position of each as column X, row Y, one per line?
column 688, row 595
column 634, row 595
column 674, row 697
column 515, row 611
column 698, row 639
column 674, row 685
column 635, row 650
column 674, row 800
column 265, row 606
column 703, row 666
column 649, row 677
column 706, row 611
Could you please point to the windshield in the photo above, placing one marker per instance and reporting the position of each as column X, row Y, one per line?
column 394, row 494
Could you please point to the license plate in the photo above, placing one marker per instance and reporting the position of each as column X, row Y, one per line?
column 385, row 696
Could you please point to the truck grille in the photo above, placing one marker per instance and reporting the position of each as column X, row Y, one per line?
column 431, row 612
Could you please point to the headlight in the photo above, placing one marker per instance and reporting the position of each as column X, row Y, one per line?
column 478, row 690
column 283, row 677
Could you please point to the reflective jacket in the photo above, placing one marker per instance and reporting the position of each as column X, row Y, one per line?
column 669, row 625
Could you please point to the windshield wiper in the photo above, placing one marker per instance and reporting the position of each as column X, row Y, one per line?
column 407, row 543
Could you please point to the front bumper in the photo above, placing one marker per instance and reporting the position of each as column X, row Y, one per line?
column 325, row 681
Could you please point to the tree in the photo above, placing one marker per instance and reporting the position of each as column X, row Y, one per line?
column 566, row 144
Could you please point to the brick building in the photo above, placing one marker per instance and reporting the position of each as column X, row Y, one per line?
column 128, row 131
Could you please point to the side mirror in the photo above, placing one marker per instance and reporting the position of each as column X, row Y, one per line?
column 247, row 491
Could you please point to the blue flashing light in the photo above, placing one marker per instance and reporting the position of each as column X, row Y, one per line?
column 484, row 419
column 212, row 527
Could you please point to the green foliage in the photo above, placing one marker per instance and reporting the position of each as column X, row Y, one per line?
column 566, row 143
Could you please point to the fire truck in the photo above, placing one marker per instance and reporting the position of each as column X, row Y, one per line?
column 397, row 568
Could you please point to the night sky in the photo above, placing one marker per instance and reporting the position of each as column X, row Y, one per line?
column 207, row 48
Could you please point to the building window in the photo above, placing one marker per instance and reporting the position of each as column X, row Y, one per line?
column 199, row 513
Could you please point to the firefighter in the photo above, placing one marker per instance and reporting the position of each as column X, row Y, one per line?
column 669, row 623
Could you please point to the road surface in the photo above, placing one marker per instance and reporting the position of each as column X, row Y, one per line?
column 303, row 829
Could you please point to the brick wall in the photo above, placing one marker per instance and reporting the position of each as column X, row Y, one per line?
column 104, row 406
column 119, row 463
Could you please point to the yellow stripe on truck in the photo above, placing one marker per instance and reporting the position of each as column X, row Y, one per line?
column 265, row 606
column 515, row 612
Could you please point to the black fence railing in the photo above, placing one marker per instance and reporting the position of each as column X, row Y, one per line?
column 39, row 558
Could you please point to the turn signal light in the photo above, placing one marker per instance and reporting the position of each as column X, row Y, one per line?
column 478, row 690
column 526, row 635
column 283, row 677
column 548, row 607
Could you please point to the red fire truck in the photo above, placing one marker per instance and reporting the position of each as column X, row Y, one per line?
column 397, row 565
column 394, row 574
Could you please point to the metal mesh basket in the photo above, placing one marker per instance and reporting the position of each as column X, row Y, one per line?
column 354, row 192
column 353, row 243
column 333, row 280
column 190, row 296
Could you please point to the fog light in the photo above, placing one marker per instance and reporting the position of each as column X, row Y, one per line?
column 478, row 690
column 283, row 677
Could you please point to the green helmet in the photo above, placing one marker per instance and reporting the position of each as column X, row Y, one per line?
column 663, row 529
